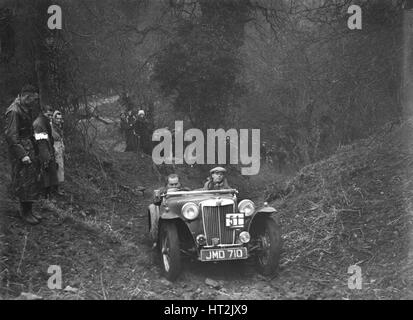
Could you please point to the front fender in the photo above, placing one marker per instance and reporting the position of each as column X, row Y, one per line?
column 194, row 226
column 264, row 211
column 185, row 232
column 170, row 215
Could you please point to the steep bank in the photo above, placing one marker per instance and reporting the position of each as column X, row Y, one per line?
column 355, row 208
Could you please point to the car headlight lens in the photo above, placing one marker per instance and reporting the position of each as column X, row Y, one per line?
column 244, row 237
column 190, row 211
column 247, row 207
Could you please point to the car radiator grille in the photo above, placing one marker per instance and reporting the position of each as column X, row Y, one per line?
column 214, row 224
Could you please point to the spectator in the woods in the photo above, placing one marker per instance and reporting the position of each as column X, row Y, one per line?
column 142, row 132
column 123, row 124
column 140, row 122
column 131, row 140
column 47, row 161
column 128, row 121
column 59, row 149
column 23, row 152
column 217, row 179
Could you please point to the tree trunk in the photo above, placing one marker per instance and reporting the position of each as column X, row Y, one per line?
column 407, row 83
column 41, row 34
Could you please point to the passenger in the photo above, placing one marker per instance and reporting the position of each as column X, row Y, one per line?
column 173, row 184
column 23, row 151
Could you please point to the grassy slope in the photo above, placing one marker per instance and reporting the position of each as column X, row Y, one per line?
column 355, row 208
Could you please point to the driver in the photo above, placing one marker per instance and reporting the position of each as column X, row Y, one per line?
column 217, row 179
column 173, row 184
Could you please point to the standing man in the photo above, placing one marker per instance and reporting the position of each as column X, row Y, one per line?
column 128, row 121
column 131, row 139
column 123, row 124
column 22, row 150
column 142, row 133
column 172, row 184
column 46, row 156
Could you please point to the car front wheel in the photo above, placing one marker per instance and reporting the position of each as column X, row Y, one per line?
column 268, row 238
column 170, row 250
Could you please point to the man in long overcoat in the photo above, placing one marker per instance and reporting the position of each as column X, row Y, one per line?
column 23, row 151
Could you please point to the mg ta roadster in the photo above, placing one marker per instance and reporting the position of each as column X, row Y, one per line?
column 211, row 225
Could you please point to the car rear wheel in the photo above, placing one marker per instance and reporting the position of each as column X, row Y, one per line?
column 170, row 250
column 268, row 237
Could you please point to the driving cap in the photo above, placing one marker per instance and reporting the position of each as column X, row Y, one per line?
column 217, row 169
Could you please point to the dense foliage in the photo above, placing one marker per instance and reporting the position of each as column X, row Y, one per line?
column 291, row 68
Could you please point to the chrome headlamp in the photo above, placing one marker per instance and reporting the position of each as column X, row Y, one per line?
column 246, row 207
column 190, row 211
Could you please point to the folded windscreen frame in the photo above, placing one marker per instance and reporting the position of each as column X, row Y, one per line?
column 195, row 192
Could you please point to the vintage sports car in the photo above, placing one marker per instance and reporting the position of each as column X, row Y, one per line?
column 212, row 226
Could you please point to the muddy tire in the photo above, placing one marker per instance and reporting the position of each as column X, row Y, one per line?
column 170, row 250
column 268, row 236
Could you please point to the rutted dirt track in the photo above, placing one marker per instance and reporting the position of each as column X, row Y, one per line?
column 353, row 208
column 107, row 255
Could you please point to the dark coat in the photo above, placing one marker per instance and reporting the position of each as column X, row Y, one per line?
column 143, row 130
column 19, row 137
column 47, row 160
column 131, row 138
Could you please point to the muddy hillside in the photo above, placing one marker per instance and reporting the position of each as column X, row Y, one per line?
column 351, row 209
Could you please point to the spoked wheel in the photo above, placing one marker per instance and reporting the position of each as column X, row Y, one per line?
column 170, row 250
column 268, row 237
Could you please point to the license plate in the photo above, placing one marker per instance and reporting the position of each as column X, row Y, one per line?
column 234, row 220
column 223, row 254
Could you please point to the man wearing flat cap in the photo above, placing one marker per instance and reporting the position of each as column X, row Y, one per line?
column 23, row 152
column 217, row 180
